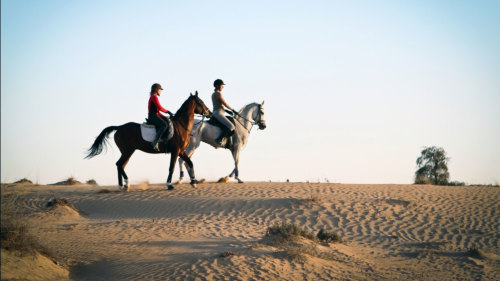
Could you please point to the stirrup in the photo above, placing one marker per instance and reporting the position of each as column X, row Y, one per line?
column 155, row 147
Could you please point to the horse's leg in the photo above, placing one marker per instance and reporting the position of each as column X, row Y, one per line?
column 236, row 156
column 181, row 174
column 120, row 164
column 194, row 143
column 189, row 167
column 173, row 158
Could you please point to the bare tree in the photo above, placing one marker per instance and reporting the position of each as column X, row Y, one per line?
column 432, row 167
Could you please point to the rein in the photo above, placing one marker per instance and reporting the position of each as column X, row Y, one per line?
column 250, row 121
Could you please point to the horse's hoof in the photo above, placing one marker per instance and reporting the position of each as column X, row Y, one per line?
column 239, row 181
column 193, row 183
column 170, row 187
column 223, row 180
column 179, row 181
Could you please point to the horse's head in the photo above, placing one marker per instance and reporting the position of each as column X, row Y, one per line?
column 200, row 107
column 259, row 116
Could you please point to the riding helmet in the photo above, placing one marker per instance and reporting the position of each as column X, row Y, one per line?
column 155, row 87
column 218, row 82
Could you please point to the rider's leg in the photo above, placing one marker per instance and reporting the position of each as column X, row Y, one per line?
column 161, row 127
column 228, row 128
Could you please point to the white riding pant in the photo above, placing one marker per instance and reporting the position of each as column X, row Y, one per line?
column 219, row 115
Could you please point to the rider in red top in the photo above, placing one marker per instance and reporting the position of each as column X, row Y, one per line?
column 155, row 116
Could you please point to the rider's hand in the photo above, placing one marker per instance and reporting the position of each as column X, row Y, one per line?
column 235, row 112
column 171, row 114
column 228, row 112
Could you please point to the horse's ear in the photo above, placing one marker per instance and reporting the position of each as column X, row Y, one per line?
column 191, row 94
column 196, row 93
column 262, row 104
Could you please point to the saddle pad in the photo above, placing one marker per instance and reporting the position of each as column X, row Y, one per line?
column 148, row 132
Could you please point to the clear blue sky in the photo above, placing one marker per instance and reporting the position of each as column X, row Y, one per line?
column 353, row 90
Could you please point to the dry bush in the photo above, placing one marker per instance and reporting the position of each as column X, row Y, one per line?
column 92, row 182
column 226, row 254
column 24, row 181
column 69, row 181
column 56, row 202
column 14, row 231
column 328, row 236
column 482, row 254
column 289, row 231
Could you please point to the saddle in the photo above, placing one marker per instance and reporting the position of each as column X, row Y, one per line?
column 148, row 131
column 226, row 140
column 213, row 121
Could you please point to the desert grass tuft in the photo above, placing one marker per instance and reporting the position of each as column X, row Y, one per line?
column 24, row 181
column 56, row 202
column 92, row 182
column 289, row 231
column 68, row 181
column 14, row 233
column 328, row 236
column 226, row 254
column 482, row 253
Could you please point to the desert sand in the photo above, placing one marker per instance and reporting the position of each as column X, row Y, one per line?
column 216, row 232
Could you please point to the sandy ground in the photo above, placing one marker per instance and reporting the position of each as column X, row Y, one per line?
column 216, row 231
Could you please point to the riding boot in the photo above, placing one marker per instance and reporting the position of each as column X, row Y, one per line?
column 229, row 137
column 220, row 140
column 159, row 132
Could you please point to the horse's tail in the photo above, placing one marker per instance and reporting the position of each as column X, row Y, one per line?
column 100, row 141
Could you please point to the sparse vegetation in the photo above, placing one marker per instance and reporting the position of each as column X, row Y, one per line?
column 24, row 181
column 92, row 182
column 482, row 254
column 456, row 183
column 328, row 236
column 54, row 203
column 69, row 181
column 289, row 231
column 15, row 237
column 297, row 242
column 226, row 254
column 14, row 231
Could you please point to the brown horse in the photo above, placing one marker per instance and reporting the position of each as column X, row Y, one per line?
column 128, row 138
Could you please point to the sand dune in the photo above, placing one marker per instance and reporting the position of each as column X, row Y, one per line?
column 392, row 232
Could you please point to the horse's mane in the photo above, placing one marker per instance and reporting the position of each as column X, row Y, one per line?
column 247, row 106
column 183, row 107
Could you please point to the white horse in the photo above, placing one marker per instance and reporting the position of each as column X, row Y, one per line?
column 249, row 115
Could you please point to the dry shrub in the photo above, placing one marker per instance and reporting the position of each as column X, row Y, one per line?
column 15, row 237
column 69, row 181
column 56, row 202
column 92, row 182
column 482, row 254
column 289, row 231
column 14, row 231
column 24, row 181
column 226, row 254
column 328, row 236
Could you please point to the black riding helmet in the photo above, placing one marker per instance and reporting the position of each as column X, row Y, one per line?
column 218, row 82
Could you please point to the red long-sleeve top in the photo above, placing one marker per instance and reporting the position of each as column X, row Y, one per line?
column 154, row 106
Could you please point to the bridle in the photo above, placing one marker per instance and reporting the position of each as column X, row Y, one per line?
column 199, row 102
column 206, row 111
column 260, row 123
